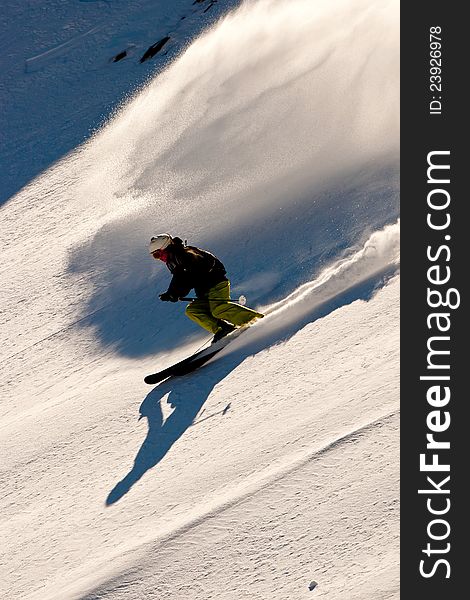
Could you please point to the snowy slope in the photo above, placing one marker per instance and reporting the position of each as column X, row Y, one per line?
column 273, row 141
column 59, row 81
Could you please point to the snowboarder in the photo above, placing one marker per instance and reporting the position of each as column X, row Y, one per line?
column 191, row 268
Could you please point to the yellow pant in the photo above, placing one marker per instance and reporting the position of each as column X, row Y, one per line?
column 208, row 312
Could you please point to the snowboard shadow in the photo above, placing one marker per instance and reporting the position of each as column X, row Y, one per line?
column 188, row 393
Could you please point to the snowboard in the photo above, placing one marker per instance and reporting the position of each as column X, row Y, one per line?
column 193, row 362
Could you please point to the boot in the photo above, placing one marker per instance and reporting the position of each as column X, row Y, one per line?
column 225, row 328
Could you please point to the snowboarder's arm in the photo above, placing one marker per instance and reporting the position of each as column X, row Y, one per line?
column 180, row 285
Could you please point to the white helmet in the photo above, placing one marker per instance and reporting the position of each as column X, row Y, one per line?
column 159, row 242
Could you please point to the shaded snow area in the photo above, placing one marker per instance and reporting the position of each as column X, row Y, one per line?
column 266, row 132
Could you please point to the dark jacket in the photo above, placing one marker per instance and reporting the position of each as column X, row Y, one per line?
column 191, row 268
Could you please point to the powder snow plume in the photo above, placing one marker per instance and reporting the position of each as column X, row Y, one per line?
column 272, row 140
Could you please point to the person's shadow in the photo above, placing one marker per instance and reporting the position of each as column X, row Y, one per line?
column 187, row 394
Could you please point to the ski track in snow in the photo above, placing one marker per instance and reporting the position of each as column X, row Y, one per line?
column 39, row 61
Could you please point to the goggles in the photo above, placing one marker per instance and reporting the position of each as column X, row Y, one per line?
column 160, row 254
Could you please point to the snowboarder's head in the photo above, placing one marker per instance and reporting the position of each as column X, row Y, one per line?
column 163, row 245
column 159, row 246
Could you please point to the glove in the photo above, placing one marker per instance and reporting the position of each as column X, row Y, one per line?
column 167, row 297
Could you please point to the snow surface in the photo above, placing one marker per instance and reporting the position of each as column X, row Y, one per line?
column 272, row 140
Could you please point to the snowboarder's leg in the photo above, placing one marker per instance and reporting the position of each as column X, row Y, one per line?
column 199, row 312
column 229, row 311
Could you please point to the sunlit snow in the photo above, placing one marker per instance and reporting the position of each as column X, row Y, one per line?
column 270, row 139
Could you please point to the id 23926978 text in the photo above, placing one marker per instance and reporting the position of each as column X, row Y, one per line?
column 435, row 70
